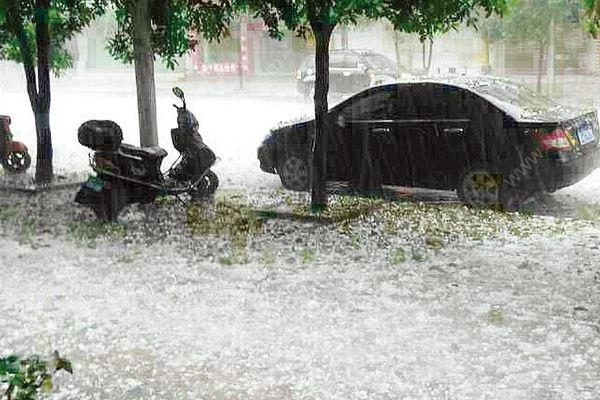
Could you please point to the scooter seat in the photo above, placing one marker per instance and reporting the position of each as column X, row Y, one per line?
column 144, row 152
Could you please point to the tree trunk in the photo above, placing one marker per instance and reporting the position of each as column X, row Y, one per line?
column 322, row 32
column 345, row 37
column 430, row 55
column 551, row 57
column 485, row 38
column 144, row 72
column 44, row 170
column 397, row 41
column 242, row 56
column 540, row 68
column 423, row 54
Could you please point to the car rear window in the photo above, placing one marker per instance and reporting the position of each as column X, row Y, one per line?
column 379, row 61
column 516, row 95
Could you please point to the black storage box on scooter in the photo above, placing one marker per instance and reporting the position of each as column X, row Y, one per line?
column 117, row 158
column 102, row 135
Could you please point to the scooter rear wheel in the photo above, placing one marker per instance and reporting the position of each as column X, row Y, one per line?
column 16, row 162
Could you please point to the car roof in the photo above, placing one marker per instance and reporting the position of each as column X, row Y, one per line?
column 473, row 85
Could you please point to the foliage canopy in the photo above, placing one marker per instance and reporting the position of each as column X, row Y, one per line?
column 65, row 18
column 171, row 24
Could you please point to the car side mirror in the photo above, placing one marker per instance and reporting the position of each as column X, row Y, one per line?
column 341, row 121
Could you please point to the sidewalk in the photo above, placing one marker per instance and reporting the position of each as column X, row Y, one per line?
column 123, row 83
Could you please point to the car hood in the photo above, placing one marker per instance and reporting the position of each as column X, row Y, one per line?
column 305, row 119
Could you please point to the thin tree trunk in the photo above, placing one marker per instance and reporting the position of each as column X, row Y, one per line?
column 322, row 32
column 44, row 170
column 144, row 72
column 551, row 57
column 430, row 54
column 345, row 37
column 423, row 54
column 540, row 68
column 485, row 37
column 397, row 49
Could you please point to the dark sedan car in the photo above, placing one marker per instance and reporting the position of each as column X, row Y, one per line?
column 349, row 71
column 489, row 139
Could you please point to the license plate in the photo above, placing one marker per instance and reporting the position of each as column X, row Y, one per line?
column 585, row 134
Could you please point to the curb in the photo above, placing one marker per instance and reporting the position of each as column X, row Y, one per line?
column 33, row 189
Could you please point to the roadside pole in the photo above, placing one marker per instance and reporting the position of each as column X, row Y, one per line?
column 243, row 50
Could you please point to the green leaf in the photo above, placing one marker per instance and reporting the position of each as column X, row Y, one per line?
column 47, row 385
column 62, row 363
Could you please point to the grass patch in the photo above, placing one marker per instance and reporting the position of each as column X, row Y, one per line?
column 8, row 212
column 419, row 256
column 398, row 256
column 341, row 208
column 226, row 216
column 437, row 223
column 238, row 253
column 495, row 316
column 87, row 232
column 267, row 257
column 589, row 212
column 27, row 232
column 165, row 200
column 307, row 255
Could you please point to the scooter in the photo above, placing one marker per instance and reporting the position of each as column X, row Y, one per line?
column 127, row 174
column 14, row 155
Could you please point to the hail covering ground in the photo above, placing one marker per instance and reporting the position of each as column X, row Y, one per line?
column 310, row 314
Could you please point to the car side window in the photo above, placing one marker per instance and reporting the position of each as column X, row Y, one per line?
column 380, row 104
column 351, row 61
column 336, row 61
column 454, row 102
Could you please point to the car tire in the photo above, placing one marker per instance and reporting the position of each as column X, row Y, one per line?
column 493, row 192
column 294, row 173
column 481, row 186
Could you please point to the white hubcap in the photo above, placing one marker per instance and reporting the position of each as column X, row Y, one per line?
column 481, row 188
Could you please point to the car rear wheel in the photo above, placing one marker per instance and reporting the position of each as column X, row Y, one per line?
column 294, row 173
column 480, row 187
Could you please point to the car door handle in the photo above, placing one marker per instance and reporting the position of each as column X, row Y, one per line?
column 454, row 131
column 381, row 131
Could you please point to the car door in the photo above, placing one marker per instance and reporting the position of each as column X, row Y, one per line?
column 337, row 72
column 363, row 137
column 454, row 128
column 416, row 134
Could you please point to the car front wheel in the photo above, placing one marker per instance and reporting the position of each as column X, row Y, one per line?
column 294, row 173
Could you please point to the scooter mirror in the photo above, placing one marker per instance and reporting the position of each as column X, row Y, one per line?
column 178, row 92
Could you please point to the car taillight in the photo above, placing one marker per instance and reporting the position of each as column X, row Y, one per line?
column 555, row 140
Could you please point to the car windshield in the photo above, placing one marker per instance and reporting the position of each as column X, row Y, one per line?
column 379, row 61
column 517, row 95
